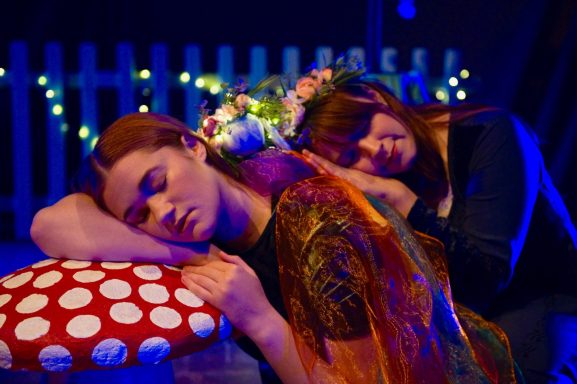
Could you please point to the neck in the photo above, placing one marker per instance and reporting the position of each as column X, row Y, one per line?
column 243, row 217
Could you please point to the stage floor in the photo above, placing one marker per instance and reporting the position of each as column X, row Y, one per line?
column 222, row 363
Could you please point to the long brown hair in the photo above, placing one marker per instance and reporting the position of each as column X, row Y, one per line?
column 344, row 116
column 133, row 132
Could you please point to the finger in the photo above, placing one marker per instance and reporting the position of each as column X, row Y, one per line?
column 199, row 290
column 236, row 260
column 214, row 270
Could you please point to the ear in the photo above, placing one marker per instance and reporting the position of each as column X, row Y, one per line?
column 194, row 147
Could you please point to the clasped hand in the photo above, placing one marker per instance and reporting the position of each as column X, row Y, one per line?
column 232, row 286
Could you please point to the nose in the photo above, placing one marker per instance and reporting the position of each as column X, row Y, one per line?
column 163, row 210
column 374, row 148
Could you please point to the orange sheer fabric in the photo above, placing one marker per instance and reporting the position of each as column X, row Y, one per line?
column 369, row 300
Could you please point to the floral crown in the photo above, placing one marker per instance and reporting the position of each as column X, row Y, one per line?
column 246, row 123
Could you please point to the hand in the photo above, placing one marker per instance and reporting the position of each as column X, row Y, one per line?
column 392, row 191
column 231, row 285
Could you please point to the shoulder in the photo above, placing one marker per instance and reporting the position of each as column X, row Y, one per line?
column 321, row 189
column 494, row 131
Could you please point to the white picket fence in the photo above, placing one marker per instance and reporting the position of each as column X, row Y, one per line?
column 21, row 77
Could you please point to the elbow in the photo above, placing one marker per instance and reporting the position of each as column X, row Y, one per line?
column 40, row 231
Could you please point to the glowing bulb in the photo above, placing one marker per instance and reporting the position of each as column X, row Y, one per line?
column 275, row 121
column 453, row 81
column 214, row 89
column 440, row 95
column 64, row 128
column 144, row 74
column 143, row 108
column 464, row 74
column 42, row 80
column 185, row 77
column 93, row 142
column 146, row 92
column 2, row 72
column 83, row 132
column 57, row 109
column 461, row 95
column 199, row 83
column 50, row 94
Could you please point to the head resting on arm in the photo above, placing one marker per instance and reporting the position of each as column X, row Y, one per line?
column 137, row 131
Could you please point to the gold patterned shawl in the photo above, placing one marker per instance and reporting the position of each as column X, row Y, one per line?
column 369, row 299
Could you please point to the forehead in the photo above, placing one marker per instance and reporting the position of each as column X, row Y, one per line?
column 121, row 186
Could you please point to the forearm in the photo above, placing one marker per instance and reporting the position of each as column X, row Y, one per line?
column 76, row 228
column 274, row 338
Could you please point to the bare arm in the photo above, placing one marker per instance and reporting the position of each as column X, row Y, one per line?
column 232, row 286
column 76, row 228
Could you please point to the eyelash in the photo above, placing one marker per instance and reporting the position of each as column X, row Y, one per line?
column 145, row 212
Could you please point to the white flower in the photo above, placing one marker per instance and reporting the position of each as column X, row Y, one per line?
column 243, row 136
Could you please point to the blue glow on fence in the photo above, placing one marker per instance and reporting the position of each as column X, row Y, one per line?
column 184, row 77
column 57, row 109
column 144, row 74
column 143, row 108
column 146, row 92
column 42, row 80
column 464, row 74
column 50, row 94
column 453, row 81
column 406, row 9
column 84, row 132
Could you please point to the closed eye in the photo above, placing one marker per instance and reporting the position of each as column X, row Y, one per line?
column 348, row 157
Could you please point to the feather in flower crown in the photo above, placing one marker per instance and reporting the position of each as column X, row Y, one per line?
column 246, row 123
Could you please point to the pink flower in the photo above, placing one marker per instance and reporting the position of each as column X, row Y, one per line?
column 209, row 126
column 327, row 74
column 242, row 101
column 306, row 87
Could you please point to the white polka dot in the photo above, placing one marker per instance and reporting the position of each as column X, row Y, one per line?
column 88, row 276
column 44, row 263
column 109, row 353
column 75, row 264
column 2, row 319
column 224, row 328
column 115, row 289
column 55, row 358
column 6, row 277
column 32, row 303
column 83, row 326
column 188, row 298
column 153, row 350
column 111, row 265
column 32, row 328
column 47, row 279
column 154, row 293
column 172, row 267
column 4, row 299
column 202, row 324
column 125, row 313
column 75, row 298
column 5, row 356
column 18, row 280
column 165, row 317
column 148, row 272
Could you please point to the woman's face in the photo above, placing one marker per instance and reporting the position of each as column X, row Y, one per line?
column 387, row 149
column 169, row 193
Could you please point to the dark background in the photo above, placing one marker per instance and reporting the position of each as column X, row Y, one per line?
column 522, row 54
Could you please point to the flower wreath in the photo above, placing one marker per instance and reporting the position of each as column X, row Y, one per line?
column 245, row 123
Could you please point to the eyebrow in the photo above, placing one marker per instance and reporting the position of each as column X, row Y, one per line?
column 141, row 186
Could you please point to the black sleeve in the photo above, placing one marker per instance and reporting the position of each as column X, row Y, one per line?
column 498, row 198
